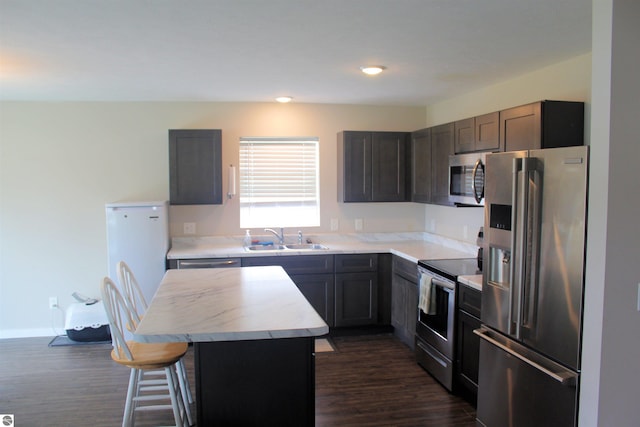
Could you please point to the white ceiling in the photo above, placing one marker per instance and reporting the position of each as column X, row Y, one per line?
column 255, row 50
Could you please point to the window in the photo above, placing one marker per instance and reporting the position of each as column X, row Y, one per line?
column 279, row 184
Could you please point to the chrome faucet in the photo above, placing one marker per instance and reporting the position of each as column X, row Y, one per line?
column 275, row 233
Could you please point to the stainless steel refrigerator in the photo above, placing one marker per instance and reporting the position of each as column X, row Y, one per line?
column 138, row 234
column 532, row 295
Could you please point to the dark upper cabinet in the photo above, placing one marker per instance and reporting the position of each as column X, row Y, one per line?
column 372, row 166
column 442, row 138
column 545, row 124
column 480, row 133
column 487, row 132
column 195, row 166
column 430, row 150
column 465, row 135
column 421, row 166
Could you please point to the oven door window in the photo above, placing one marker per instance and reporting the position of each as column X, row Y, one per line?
column 438, row 321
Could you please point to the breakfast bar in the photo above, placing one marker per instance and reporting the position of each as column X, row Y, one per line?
column 253, row 335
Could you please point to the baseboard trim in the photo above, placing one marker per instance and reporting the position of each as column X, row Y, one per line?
column 27, row 333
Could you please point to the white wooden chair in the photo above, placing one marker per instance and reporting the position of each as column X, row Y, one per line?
column 143, row 395
column 137, row 304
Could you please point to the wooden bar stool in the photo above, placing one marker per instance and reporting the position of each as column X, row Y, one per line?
column 137, row 304
column 140, row 357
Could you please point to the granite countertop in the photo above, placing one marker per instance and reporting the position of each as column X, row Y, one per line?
column 411, row 246
column 473, row 281
column 228, row 304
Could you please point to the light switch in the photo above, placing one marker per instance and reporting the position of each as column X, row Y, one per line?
column 358, row 224
column 335, row 224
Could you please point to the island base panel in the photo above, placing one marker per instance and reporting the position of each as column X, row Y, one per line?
column 258, row 382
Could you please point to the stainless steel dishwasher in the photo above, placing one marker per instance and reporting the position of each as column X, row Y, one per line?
column 207, row 263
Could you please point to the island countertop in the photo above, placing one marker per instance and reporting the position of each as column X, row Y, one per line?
column 228, row 304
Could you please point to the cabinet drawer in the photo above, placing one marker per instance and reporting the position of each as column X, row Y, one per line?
column 405, row 269
column 296, row 264
column 469, row 300
column 356, row 263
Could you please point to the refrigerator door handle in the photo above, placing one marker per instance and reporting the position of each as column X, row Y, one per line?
column 563, row 376
column 530, row 281
column 519, row 199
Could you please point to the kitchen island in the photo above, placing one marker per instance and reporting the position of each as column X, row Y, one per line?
column 253, row 334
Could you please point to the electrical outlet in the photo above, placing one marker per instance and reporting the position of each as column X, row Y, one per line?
column 335, row 224
column 358, row 224
column 53, row 302
column 189, row 228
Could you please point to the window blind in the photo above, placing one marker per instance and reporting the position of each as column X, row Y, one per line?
column 279, row 183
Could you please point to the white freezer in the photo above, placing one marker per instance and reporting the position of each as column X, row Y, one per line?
column 138, row 233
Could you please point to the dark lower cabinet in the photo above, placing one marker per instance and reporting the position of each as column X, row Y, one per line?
column 312, row 274
column 356, row 299
column 255, row 382
column 356, row 287
column 318, row 289
column 467, row 343
column 345, row 289
column 404, row 300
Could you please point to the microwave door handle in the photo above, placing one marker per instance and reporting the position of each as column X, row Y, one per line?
column 476, row 196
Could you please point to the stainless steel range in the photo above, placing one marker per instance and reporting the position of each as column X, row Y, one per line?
column 435, row 326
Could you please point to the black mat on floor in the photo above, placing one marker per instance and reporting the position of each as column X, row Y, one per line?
column 62, row 340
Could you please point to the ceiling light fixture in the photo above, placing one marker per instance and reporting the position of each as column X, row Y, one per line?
column 284, row 99
column 372, row 70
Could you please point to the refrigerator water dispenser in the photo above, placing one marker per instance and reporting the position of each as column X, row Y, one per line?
column 499, row 266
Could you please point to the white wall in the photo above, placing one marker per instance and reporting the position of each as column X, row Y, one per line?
column 611, row 347
column 61, row 162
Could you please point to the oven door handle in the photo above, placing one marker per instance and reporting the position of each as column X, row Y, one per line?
column 446, row 286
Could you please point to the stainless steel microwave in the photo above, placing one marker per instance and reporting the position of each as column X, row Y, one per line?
column 466, row 179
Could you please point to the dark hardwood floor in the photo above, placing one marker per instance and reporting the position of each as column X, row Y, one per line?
column 370, row 380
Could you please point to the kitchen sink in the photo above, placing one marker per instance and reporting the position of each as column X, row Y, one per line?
column 307, row 246
column 265, row 248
